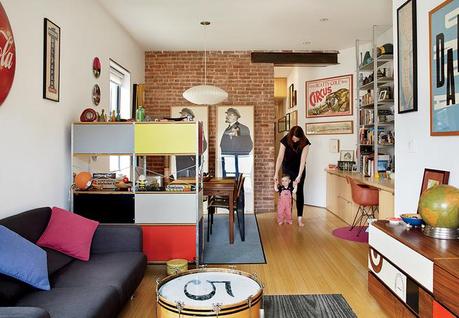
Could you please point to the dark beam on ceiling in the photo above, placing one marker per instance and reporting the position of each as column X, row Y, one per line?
column 297, row 58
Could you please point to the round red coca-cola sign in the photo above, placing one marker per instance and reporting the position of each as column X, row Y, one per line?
column 7, row 55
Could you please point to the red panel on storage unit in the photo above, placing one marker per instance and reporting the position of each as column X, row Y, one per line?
column 165, row 242
column 441, row 312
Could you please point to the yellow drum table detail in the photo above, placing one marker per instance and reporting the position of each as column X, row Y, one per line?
column 175, row 266
column 210, row 292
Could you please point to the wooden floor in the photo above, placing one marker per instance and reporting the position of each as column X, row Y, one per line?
column 308, row 260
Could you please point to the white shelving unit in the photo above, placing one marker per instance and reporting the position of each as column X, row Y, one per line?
column 375, row 117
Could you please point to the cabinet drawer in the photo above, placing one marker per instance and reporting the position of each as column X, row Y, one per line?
column 103, row 139
column 166, row 208
column 165, row 242
column 410, row 262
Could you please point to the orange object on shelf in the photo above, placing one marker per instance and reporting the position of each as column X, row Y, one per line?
column 83, row 180
column 165, row 242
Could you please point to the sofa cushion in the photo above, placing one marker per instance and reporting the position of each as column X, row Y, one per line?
column 22, row 259
column 125, row 272
column 69, row 233
column 75, row 302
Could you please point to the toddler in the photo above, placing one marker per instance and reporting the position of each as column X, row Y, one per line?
column 284, row 204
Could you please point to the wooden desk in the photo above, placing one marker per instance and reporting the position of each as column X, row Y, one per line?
column 223, row 187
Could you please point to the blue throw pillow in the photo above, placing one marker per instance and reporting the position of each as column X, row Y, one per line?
column 23, row 260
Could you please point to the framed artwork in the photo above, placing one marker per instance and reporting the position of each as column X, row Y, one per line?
column 51, row 61
column 444, row 84
column 293, row 118
column 291, row 96
column 330, row 128
column 433, row 178
column 183, row 166
column 234, row 151
column 282, row 124
column 407, row 57
column 7, row 56
column 346, row 155
column 329, row 97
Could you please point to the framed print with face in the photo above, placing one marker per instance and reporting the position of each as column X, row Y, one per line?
column 444, row 82
column 346, row 155
column 433, row 178
column 234, row 151
column 407, row 57
column 329, row 97
column 51, row 61
column 185, row 166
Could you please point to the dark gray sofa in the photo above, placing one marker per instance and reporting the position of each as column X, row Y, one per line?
column 97, row 288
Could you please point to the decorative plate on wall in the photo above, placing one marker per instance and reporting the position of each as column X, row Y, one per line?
column 88, row 115
column 7, row 55
column 96, row 67
column 96, row 94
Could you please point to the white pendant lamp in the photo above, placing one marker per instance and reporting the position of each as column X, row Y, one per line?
column 205, row 94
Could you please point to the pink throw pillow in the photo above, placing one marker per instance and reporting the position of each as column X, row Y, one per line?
column 69, row 233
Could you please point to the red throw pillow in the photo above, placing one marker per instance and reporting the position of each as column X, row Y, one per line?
column 69, row 233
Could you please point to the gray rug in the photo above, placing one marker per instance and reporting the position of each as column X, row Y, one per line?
column 219, row 251
column 306, row 306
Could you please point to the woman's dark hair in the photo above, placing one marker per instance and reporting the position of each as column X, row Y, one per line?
column 298, row 132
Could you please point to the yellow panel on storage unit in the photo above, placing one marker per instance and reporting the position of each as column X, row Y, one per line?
column 165, row 138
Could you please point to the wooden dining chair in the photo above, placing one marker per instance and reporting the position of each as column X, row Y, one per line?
column 215, row 202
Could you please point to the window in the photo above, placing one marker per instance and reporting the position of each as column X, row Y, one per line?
column 120, row 96
column 120, row 90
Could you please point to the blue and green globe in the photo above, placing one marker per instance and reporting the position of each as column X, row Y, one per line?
column 439, row 206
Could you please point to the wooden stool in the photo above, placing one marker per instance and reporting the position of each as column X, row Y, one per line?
column 175, row 266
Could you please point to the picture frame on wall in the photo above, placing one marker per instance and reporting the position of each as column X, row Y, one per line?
column 51, row 60
column 291, row 97
column 184, row 166
column 330, row 128
column 282, row 124
column 329, row 97
column 234, row 151
column 444, row 106
column 407, row 57
column 346, row 155
column 293, row 118
column 433, row 178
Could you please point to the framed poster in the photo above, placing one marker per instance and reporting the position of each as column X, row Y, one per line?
column 234, row 151
column 293, row 118
column 444, row 80
column 330, row 128
column 433, row 178
column 184, row 166
column 7, row 56
column 329, row 97
column 407, row 57
column 282, row 124
column 51, row 61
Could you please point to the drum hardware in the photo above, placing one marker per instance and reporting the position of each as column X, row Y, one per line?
column 180, row 305
column 217, row 307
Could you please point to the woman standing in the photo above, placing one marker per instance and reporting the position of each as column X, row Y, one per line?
column 292, row 156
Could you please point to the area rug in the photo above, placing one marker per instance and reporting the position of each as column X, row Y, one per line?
column 306, row 306
column 219, row 251
column 345, row 234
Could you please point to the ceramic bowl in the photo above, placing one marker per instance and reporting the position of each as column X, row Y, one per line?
column 412, row 219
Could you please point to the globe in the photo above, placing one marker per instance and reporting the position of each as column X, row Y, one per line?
column 439, row 206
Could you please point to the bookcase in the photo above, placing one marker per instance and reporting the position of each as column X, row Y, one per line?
column 375, row 89
column 172, row 220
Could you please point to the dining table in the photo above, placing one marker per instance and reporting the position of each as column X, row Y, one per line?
column 223, row 187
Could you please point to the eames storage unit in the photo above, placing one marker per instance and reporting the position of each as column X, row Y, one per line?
column 171, row 216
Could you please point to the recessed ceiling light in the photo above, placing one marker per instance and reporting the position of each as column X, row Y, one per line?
column 205, row 23
column 323, row 19
column 307, row 42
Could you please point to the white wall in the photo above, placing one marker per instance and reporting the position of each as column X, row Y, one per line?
column 415, row 148
column 319, row 156
column 34, row 132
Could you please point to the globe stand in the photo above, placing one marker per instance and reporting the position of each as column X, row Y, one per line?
column 443, row 233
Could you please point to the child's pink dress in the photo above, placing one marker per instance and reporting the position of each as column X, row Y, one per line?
column 284, row 205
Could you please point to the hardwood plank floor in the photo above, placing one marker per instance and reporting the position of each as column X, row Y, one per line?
column 308, row 260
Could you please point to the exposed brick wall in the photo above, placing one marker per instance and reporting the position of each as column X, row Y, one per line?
column 169, row 74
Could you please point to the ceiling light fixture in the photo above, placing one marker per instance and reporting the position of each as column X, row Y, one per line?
column 205, row 94
column 323, row 19
column 307, row 42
